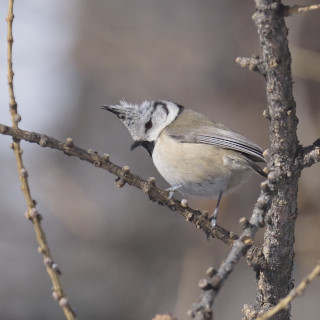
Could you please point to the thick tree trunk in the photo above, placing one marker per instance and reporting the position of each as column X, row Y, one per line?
column 275, row 278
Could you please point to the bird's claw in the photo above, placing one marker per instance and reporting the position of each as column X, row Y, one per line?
column 213, row 222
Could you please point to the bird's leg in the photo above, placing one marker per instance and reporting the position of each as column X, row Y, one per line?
column 172, row 189
column 213, row 217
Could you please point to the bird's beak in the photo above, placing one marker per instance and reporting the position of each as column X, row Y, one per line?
column 128, row 114
column 137, row 143
column 117, row 111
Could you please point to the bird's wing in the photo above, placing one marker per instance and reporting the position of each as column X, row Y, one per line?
column 218, row 135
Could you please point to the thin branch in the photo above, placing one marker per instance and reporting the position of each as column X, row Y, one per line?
column 13, row 103
column 164, row 317
column 202, row 309
column 310, row 155
column 294, row 293
column 32, row 214
column 253, row 64
column 289, row 11
column 199, row 218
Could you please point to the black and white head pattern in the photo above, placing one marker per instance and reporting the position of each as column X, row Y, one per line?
column 145, row 122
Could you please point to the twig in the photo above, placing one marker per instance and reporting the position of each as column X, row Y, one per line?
column 298, row 291
column 202, row 309
column 310, row 155
column 32, row 214
column 12, row 103
column 199, row 218
column 289, row 11
column 164, row 317
column 253, row 64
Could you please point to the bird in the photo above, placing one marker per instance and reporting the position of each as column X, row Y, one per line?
column 196, row 156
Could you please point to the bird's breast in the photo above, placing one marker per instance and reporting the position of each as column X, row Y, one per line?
column 198, row 168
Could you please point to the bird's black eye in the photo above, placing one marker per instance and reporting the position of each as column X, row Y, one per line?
column 148, row 125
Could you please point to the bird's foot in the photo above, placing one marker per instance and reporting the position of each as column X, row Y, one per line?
column 213, row 221
column 172, row 190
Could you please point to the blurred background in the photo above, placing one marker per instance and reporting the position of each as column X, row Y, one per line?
column 123, row 257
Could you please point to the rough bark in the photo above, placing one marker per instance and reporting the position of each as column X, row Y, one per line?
column 275, row 277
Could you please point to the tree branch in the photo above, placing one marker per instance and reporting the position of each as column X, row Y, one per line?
column 294, row 293
column 164, row 317
column 199, row 218
column 253, row 64
column 283, row 172
column 290, row 11
column 32, row 214
column 202, row 309
column 310, row 155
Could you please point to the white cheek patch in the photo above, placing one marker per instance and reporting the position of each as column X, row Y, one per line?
column 161, row 118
